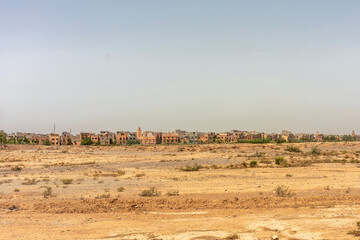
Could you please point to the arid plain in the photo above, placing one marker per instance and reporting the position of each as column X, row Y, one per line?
column 214, row 191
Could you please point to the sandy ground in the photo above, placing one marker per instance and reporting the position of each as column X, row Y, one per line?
column 82, row 192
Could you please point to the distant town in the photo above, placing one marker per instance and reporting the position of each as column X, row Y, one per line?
column 175, row 137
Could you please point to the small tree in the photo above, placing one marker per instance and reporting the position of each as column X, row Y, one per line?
column 132, row 142
column 46, row 142
column 2, row 139
column 86, row 141
column 69, row 141
column 26, row 140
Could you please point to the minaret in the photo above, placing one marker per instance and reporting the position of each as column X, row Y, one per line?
column 317, row 135
column 353, row 133
column 139, row 133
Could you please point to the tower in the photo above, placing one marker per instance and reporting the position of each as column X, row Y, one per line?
column 139, row 133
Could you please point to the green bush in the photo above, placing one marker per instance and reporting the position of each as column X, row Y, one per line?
column 253, row 163
column 69, row 141
column 279, row 160
column 132, row 142
column 87, row 141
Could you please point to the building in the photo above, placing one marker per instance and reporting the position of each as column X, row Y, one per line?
column 194, row 137
column 207, row 137
column 149, row 137
column 223, row 137
column 94, row 137
column 40, row 139
column 250, row 136
column 54, row 139
column 121, row 138
column 106, row 138
column 66, row 138
column 170, row 138
column 319, row 137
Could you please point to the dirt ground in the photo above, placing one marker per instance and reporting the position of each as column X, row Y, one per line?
column 228, row 192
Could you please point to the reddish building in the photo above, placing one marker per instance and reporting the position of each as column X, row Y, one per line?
column 167, row 138
column 147, row 138
column 122, row 138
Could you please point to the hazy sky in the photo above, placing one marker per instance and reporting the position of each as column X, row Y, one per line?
column 194, row 65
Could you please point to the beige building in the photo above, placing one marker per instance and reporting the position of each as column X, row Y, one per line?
column 54, row 139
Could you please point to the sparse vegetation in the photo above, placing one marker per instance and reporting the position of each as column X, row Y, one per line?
column 190, row 168
column 315, row 151
column 223, row 179
column 283, row 191
column 67, row 181
column 16, row 168
column 256, row 154
column 48, row 193
column 357, row 231
column 172, row 193
column 232, row 236
column 152, row 192
column 292, row 148
column 104, row 195
column 253, row 163
column 279, row 160
column 31, row 182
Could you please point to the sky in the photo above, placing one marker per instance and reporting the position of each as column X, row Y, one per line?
column 195, row 65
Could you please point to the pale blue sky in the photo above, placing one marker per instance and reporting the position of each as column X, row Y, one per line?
column 194, row 65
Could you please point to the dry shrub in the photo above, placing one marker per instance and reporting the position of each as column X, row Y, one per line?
column 150, row 192
column 283, row 191
column 191, row 168
column 172, row 193
column 67, row 181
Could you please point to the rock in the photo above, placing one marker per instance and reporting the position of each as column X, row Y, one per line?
column 13, row 208
column 275, row 237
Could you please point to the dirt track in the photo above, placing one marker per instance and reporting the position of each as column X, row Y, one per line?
column 223, row 198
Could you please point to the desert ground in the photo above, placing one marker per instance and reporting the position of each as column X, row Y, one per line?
column 213, row 191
